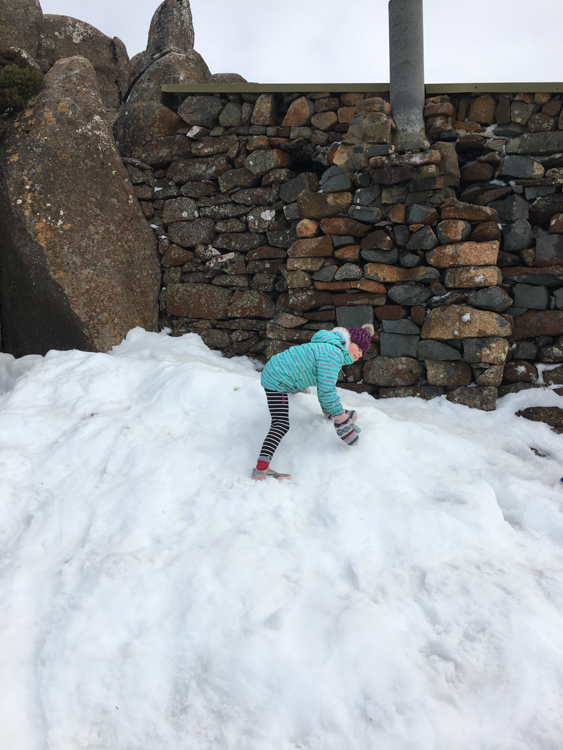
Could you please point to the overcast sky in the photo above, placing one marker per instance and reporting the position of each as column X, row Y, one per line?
column 302, row 41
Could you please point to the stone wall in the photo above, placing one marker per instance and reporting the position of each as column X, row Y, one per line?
column 291, row 213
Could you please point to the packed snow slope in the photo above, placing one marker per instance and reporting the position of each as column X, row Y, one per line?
column 406, row 594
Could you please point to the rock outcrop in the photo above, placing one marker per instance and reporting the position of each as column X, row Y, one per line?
column 145, row 130
column 62, row 36
column 78, row 261
column 20, row 23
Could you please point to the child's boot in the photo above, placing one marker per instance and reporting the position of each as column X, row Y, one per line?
column 265, row 473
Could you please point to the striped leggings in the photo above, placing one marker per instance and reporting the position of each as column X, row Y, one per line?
column 279, row 410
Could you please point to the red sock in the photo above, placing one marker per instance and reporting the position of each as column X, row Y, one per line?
column 262, row 465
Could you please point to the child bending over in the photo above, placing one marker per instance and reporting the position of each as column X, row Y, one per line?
column 317, row 363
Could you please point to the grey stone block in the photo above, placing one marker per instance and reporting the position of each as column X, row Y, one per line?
column 407, row 294
column 538, row 191
column 365, row 196
column 404, row 326
column 519, row 167
column 423, row 239
column 438, row 351
column 362, row 213
column 398, row 345
column 524, row 350
column 558, row 298
column 549, row 247
column 325, row 274
column 409, row 260
column 349, row 272
column 517, row 236
column 511, row 209
column 354, row 316
column 343, row 240
column 531, row 297
column 389, row 257
column 492, row 298
column 402, row 235
column 472, row 347
column 336, row 179
column 536, row 143
column 418, row 212
column 290, row 190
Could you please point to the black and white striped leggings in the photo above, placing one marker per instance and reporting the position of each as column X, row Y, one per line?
column 279, row 409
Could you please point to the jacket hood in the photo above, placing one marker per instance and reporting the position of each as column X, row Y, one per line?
column 338, row 337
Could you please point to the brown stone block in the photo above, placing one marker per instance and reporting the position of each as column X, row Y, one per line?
column 475, row 173
column 367, row 285
column 392, row 274
column 491, row 376
column 398, row 214
column 250, row 304
column 312, row 247
column 329, row 104
column 341, row 226
column 345, row 300
column 332, row 286
column 305, row 299
column 454, row 229
column 463, row 322
column 299, row 113
column 538, row 322
column 486, row 231
column 469, row 127
column 197, row 301
column 471, row 277
column 520, row 371
column 454, row 209
column 482, row 110
column 378, row 240
column 265, row 110
column 324, row 120
column 553, row 377
column 319, row 206
column 481, row 397
column 446, row 109
column 237, row 178
column 266, row 253
column 373, row 104
column 551, row 415
column 304, row 264
column 177, row 256
column 418, row 314
column 556, row 224
column 393, row 371
column 350, row 100
column 390, row 312
column 299, row 280
column 552, row 108
column 257, row 143
column 447, row 374
column 464, row 254
column 307, row 228
column 346, row 114
column 351, row 253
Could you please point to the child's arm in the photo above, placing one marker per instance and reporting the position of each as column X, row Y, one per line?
column 328, row 367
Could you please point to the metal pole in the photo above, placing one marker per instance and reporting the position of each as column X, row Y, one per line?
column 406, row 55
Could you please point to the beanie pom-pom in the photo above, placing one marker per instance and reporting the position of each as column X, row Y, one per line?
column 369, row 328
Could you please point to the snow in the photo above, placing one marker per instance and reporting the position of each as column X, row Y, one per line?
column 404, row 594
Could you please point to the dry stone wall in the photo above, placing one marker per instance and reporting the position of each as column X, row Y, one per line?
column 291, row 213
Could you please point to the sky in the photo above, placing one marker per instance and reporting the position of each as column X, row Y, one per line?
column 314, row 41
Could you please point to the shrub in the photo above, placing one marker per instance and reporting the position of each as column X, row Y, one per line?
column 16, row 86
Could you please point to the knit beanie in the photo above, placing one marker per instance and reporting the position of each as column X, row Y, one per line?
column 361, row 336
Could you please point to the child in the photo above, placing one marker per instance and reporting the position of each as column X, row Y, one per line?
column 317, row 363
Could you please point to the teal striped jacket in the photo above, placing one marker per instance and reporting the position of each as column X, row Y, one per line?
column 317, row 363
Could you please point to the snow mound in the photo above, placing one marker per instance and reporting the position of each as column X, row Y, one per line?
column 404, row 594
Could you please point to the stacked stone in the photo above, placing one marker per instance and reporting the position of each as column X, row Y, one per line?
column 288, row 215
column 510, row 150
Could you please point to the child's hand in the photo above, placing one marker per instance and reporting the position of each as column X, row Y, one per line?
column 346, row 429
column 353, row 415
